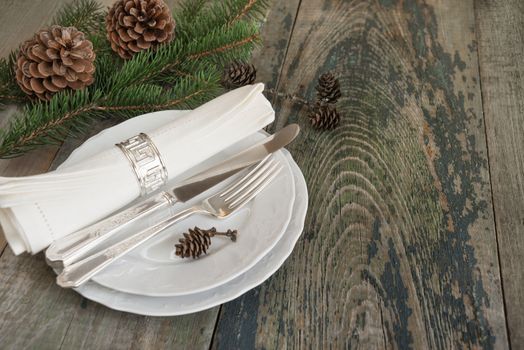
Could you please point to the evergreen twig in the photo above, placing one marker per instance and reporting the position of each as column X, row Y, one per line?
column 220, row 14
column 83, row 107
column 85, row 15
column 245, row 10
column 190, row 66
column 10, row 93
column 290, row 97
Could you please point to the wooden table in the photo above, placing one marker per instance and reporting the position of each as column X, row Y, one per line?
column 414, row 236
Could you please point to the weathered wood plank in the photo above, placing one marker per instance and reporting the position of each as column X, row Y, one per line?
column 276, row 34
column 399, row 248
column 500, row 26
column 20, row 19
column 37, row 314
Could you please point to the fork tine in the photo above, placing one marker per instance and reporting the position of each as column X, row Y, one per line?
column 240, row 202
column 255, row 172
column 253, row 184
column 256, row 188
column 249, row 180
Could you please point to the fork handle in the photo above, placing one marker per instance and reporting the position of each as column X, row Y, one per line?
column 78, row 273
column 70, row 248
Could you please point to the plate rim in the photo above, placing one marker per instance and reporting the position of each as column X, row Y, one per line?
column 246, row 267
column 91, row 290
column 160, row 118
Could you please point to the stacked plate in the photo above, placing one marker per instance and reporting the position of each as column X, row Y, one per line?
column 152, row 280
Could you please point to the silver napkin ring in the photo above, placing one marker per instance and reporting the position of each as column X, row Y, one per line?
column 146, row 162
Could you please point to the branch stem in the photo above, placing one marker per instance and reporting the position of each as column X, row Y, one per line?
column 243, row 12
column 156, row 107
column 290, row 97
column 199, row 55
column 94, row 107
column 12, row 98
column 226, row 47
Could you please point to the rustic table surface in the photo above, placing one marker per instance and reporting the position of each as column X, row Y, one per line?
column 415, row 232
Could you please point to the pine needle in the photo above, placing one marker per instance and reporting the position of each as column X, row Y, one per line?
column 182, row 74
column 84, row 15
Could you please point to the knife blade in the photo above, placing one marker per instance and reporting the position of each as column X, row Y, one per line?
column 70, row 248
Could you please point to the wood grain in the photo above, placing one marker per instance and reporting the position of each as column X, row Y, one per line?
column 399, row 249
column 276, row 35
column 20, row 19
column 37, row 314
column 500, row 26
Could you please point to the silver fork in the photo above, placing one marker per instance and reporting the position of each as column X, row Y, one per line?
column 220, row 205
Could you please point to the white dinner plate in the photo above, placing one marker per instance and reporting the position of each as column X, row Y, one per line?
column 180, row 305
column 154, row 270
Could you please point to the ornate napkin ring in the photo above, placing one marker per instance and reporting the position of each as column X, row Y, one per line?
column 146, row 162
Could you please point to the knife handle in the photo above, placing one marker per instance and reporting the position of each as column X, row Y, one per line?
column 76, row 274
column 70, row 248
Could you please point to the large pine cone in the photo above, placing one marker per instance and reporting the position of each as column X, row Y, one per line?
column 324, row 117
column 328, row 88
column 136, row 25
column 239, row 74
column 56, row 58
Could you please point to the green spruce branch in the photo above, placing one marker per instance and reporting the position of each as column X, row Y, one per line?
column 253, row 9
column 85, row 15
column 10, row 92
column 68, row 114
column 219, row 14
column 182, row 74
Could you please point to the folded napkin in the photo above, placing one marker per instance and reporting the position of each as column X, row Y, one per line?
column 36, row 210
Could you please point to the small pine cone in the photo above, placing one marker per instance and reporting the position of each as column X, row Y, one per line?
column 55, row 58
column 136, row 25
column 239, row 74
column 197, row 241
column 328, row 88
column 324, row 117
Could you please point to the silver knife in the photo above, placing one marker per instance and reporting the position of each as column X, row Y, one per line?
column 70, row 248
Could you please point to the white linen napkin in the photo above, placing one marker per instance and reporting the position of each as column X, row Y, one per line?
column 36, row 210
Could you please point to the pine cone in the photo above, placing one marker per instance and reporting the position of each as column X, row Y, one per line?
column 239, row 74
column 328, row 88
column 324, row 117
column 55, row 58
column 136, row 25
column 197, row 241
